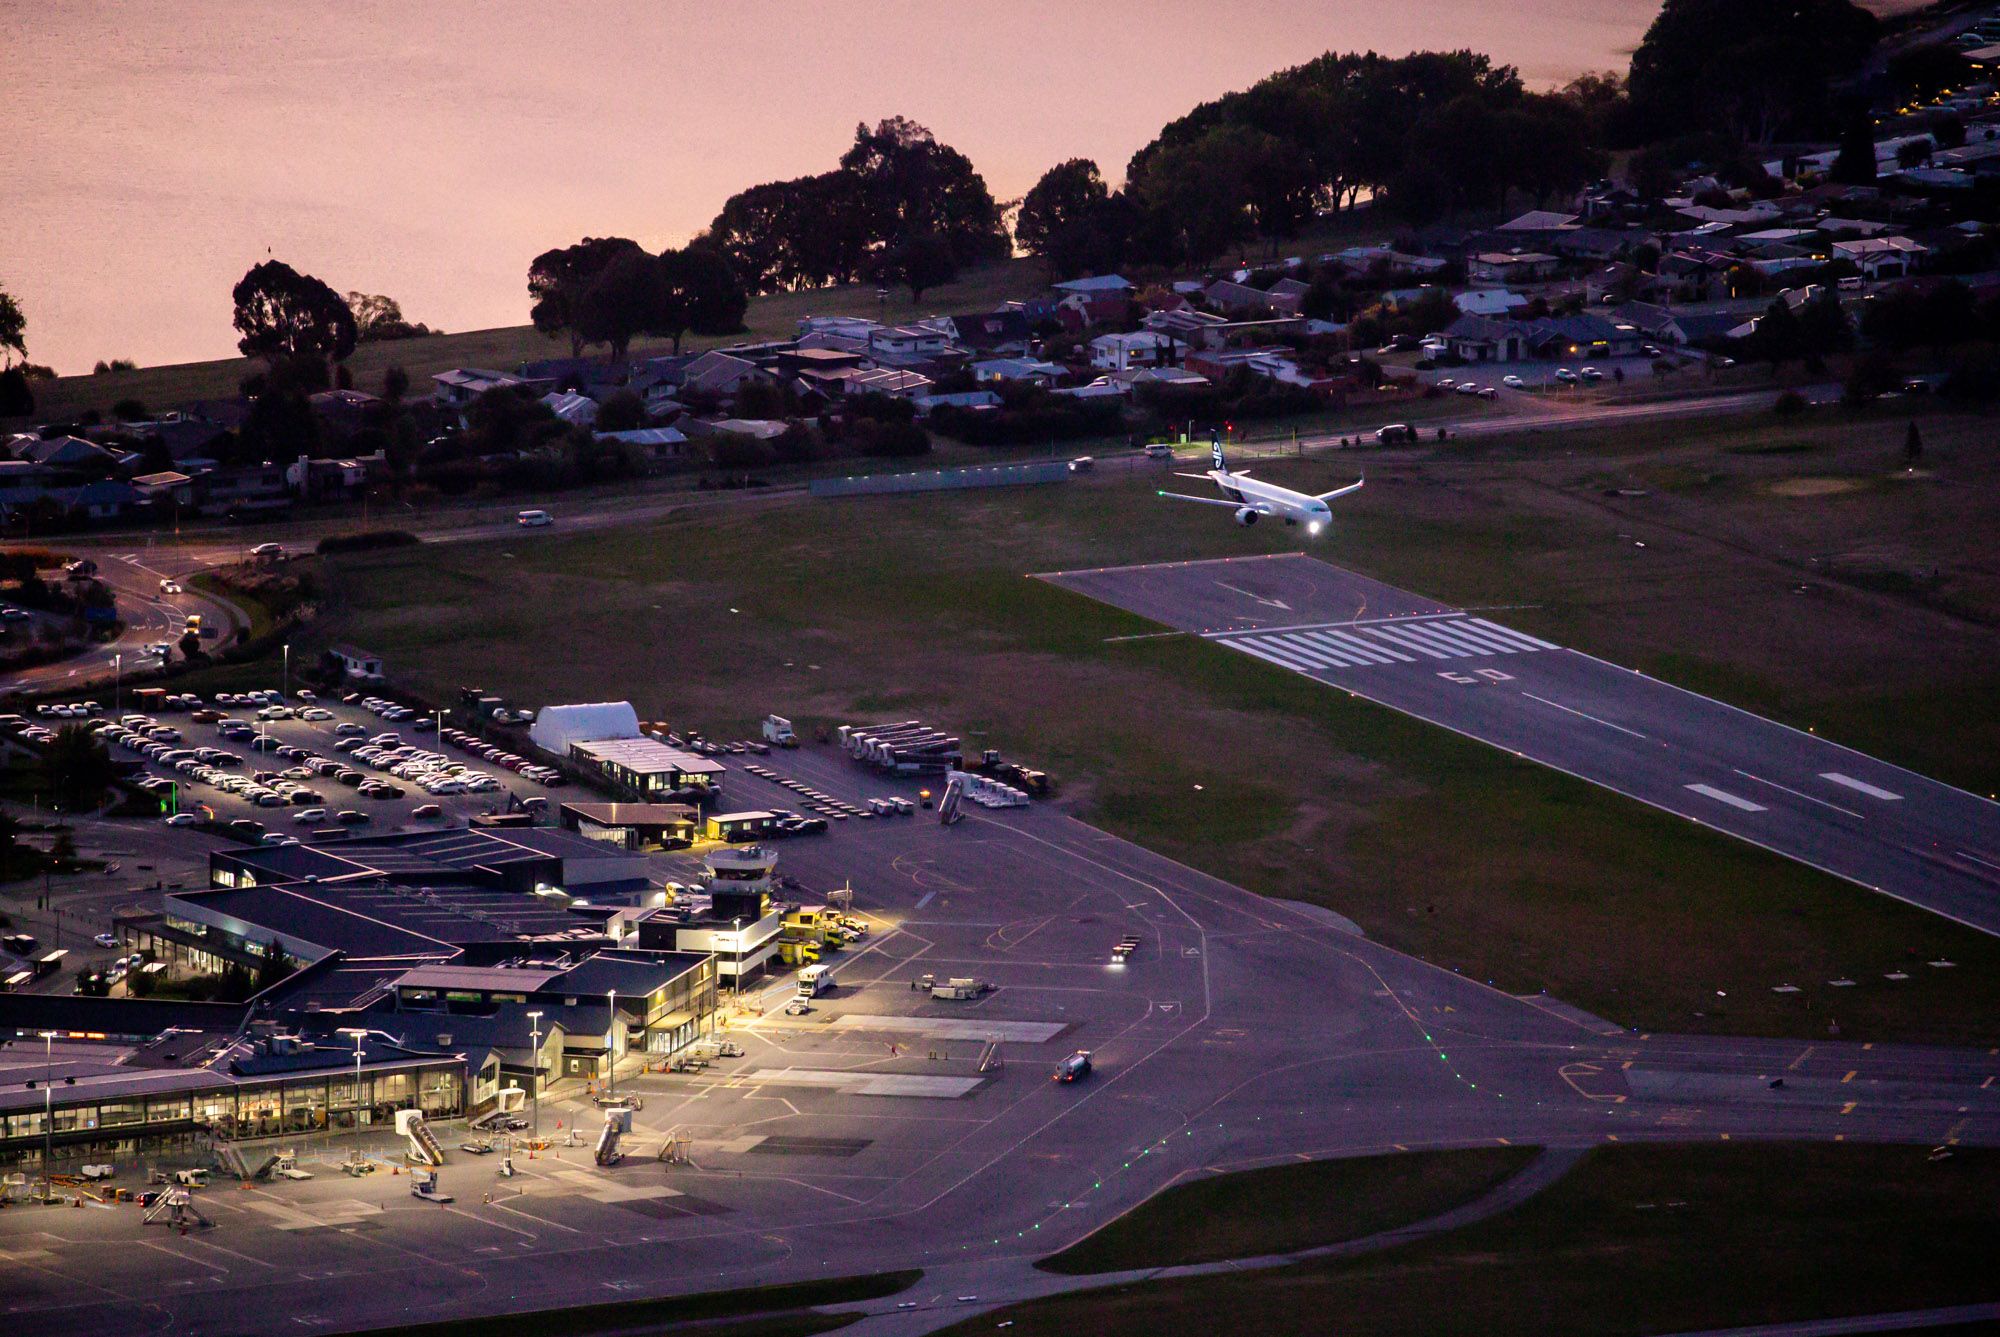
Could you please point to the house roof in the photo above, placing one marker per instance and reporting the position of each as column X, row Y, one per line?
column 1101, row 283
column 1538, row 220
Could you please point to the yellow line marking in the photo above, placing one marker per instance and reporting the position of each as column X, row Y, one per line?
column 1611, row 1137
column 1399, row 1146
column 1794, row 1065
column 1848, row 1108
column 1840, row 1137
column 1626, row 1066
column 1988, row 1082
column 1503, row 1141
column 1725, row 1137
column 1850, row 1076
column 1870, row 1045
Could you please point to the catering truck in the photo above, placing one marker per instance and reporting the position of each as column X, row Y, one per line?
column 815, row 980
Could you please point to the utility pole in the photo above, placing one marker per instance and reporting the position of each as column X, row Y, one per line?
column 535, row 1042
column 48, row 1107
column 358, row 1035
column 611, row 1047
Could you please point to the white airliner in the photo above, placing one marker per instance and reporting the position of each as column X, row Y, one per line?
column 1253, row 499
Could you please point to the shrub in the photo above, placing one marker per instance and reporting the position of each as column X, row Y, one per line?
column 367, row 539
column 1790, row 404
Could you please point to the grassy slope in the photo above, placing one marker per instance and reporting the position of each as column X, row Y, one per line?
column 1637, row 1239
column 1283, row 1208
column 832, row 611
column 775, row 316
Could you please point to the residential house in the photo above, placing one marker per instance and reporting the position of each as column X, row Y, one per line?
column 105, row 499
column 457, row 388
column 1882, row 257
column 66, row 453
column 1539, row 220
column 904, row 345
column 321, row 480
column 575, row 409
column 962, row 399
column 719, row 375
column 659, row 443
column 1018, row 369
column 897, row 383
column 1505, row 267
column 344, row 411
column 1287, row 295
column 1483, row 339
column 1095, row 285
column 1488, row 301
column 1582, row 336
column 988, row 333
column 244, row 491
column 1239, row 299
column 1141, row 348
column 1186, row 324
column 165, row 491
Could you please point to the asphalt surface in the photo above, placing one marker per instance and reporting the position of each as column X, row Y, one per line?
column 865, row 1136
column 1798, row 795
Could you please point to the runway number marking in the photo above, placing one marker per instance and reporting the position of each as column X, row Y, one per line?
column 1861, row 787
column 1724, row 796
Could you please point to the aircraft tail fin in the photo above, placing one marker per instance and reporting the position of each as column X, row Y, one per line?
column 1215, row 452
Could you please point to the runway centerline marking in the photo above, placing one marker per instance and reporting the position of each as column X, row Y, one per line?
column 1580, row 715
column 1796, row 794
column 1724, row 796
column 1861, row 786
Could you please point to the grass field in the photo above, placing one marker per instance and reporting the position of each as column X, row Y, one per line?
column 762, row 1311
column 835, row 611
column 1284, row 1208
column 774, row 316
column 1636, row 1239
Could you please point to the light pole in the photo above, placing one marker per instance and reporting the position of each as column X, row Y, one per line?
column 285, row 675
column 535, row 1043
column 48, row 1107
column 736, row 950
column 611, row 1046
column 359, row 1035
column 118, row 684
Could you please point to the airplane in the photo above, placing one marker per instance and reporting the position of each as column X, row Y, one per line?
column 1253, row 498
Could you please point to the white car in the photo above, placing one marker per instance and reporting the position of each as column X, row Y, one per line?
column 182, row 819
column 534, row 519
column 268, row 550
column 307, row 816
column 105, row 940
column 1513, row 382
column 1565, row 375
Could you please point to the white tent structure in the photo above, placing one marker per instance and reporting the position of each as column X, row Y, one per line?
column 556, row 727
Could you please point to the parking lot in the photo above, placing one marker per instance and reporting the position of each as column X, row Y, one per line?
column 303, row 764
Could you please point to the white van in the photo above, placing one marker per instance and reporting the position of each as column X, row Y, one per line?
column 534, row 519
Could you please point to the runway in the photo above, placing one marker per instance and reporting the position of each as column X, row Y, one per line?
column 1798, row 795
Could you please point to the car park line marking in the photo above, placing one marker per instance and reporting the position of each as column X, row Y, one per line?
column 925, row 899
column 1967, row 854
column 1724, row 796
column 1796, row 794
column 1861, row 786
column 1581, row 715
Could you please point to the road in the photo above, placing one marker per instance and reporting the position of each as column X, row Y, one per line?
column 1838, row 810
column 133, row 568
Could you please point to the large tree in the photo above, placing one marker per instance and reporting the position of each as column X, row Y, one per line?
column 1066, row 198
column 922, row 261
column 701, row 295
column 1753, row 68
column 912, row 184
column 79, row 768
column 627, row 299
column 283, row 314
column 378, row 318
column 559, row 278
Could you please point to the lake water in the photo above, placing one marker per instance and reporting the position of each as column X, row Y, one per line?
column 152, row 151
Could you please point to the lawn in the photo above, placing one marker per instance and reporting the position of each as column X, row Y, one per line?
column 833, row 612
column 1636, row 1239
column 1283, row 1208
column 763, row 1311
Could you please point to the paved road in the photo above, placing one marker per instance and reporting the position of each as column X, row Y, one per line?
column 1835, row 809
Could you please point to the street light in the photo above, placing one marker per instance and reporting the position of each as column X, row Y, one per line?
column 736, row 948
column 48, row 1107
column 611, row 1046
column 118, row 684
column 535, row 1042
column 285, row 675
column 359, row 1035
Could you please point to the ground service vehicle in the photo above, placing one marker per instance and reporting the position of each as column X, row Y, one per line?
column 1074, row 1068
column 778, row 729
column 815, row 980
column 534, row 519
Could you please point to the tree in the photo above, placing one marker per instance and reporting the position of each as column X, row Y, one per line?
column 627, row 299
column 621, row 411
column 377, row 319
column 1913, row 445
column 78, row 767
column 559, row 278
column 701, row 294
column 395, row 384
column 1057, row 207
column 1854, row 165
column 282, row 313
column 1913, row 153
column 190, row 644
column 13, row 329
column 1753, row 68
column 922, row 261
column 911, row 185
column 17, row 397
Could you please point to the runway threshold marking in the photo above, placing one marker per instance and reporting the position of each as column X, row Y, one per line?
column 1570, row 710
column 1861, row 787
column 1724, row 796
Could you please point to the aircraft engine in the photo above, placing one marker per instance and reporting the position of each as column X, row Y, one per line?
column 1246, row 516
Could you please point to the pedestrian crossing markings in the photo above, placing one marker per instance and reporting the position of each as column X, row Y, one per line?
column 1368, row 645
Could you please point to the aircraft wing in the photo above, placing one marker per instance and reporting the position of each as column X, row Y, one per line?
column 1341, row 491
column 1218, row 501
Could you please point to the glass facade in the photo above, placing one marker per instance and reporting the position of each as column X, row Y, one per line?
column 304, row 1104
